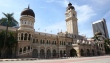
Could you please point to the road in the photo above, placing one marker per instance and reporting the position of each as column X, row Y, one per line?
column 96, row 59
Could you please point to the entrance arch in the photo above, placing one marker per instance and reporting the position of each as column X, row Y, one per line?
column 35, row 53
column 48, row 53
column 88, row 52
column 42, row 54
column 73, row 53
column 93, row 52
column 54, row 53
column 61, row 53
column 82, row 52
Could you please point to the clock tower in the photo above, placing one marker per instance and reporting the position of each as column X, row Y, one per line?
column 71, row 20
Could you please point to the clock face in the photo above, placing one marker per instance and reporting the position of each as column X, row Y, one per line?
column 73, row 15
column 68, row 15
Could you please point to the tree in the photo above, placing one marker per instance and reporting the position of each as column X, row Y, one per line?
column 10, row 44
column 107, row 46
column 9, row 18
column 106, row 41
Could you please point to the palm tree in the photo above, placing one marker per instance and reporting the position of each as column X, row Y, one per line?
column 9, row 18
column 10, row 44
column 107, row 46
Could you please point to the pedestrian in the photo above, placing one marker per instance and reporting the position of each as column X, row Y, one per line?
column 65, row 55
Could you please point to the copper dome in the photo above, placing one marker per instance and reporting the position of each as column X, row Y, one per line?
column 70, row 6
column 28, row 11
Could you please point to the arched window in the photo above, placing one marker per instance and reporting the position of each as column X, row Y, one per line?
column 64, row 43
column 60, row 42
column 28, row 47
column 24, row 50
column 33, row 40
column 29, row 38
column 25, row 37
column 20, row 51
column 47, row 41
column 41, row 41
column 36, row 40
column 21, row 36
column 55, row 42
column 52, row 42
column 25, row 22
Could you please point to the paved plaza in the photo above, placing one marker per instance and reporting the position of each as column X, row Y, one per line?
column 97, row 59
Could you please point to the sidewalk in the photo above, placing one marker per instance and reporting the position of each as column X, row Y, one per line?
column 26, row 59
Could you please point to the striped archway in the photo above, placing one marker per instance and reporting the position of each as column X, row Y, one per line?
column 48, row 54
column 42, row 53
column 35, row 53
column 54, row 53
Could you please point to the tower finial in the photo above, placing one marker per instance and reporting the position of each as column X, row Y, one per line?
column 69, row 3
column 29, row 6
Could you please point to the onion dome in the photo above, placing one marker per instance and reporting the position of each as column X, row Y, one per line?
column 98, row 33
column 70, row 6
column 28, row 11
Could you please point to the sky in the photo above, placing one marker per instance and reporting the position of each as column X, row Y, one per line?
column 50, row 14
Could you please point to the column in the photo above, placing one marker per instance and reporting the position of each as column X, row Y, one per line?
column 27, row 36
column 78, row 52
column 51, row 53
column 23, row 36
column 20, row 36
column 38, row 52
column 45, row 52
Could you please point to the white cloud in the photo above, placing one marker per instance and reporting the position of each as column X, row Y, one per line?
column 57, row 27
column 101, row 1
column 87, row 33
column 49, row 1
column 84, row 13
column 64, row 3
column 107, row 14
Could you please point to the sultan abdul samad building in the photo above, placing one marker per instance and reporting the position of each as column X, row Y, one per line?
column 36, row 44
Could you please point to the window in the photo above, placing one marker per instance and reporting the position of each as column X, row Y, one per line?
column 33, row 40
column 21, row 36
column 36, row 40
column 41, row 41
column 25, row 37
column 64, row 43
column 29, row 38
column 52, row 42
column 28, row 47
column 47, row 41
column 55, row 42
column 24, row 50
column 20, row 51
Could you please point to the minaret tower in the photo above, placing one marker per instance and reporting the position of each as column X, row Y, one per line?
column 26, row 32
column 71, row 20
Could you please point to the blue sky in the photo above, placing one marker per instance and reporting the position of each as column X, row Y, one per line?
column 50, row 14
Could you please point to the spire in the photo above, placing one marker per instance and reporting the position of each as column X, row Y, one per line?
column 28, row 6
column 69, row 4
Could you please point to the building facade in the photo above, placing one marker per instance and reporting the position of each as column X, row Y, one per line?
column 36, row 44
column 100, row 26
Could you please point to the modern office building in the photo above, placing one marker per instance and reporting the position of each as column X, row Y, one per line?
column 37, row 44
column 100, row 26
